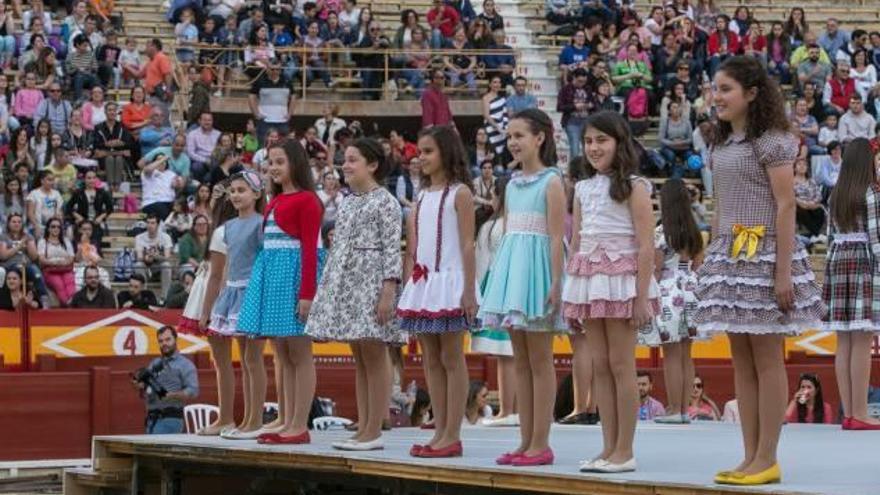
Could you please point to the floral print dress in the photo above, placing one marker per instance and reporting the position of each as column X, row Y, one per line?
column 365, row 253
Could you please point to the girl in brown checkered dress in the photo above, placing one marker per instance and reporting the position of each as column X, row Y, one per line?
column 848, row 290
column 756, row 283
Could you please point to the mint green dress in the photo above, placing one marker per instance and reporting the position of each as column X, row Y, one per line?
column 519, row 282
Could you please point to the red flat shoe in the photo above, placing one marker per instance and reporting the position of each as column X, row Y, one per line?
column 267, row 438
column 302, row 438
column 846, row 424
column 506, row 459
column 859, row 425
column 416, row 450
column 452, row 450
column 428, row 426
column 542, row 458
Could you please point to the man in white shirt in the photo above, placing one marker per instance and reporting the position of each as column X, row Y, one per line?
column 43, row 203
column 200, row 144
column 160, row 187
column 856, row 122
column 152, row 251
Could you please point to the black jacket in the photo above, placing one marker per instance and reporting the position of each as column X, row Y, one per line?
column 79, row 203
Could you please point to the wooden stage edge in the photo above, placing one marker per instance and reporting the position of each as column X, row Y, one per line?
column 193, row 465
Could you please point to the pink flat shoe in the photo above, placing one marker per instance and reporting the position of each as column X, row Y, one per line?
column 507, row 458
column 543, row 458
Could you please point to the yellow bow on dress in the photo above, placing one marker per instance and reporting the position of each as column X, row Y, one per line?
column 746, row 237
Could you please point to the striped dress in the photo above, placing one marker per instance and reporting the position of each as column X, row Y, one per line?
column 498, row 112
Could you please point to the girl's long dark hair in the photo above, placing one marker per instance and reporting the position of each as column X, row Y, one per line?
column 818, row 401
column 856, row 175
column 7, row 197
column 500, row 191
column 222, row 212
column 577, row 171
column 298, row 164
column 539, row 122
column 626, row 159
column 452, row 155
column 679, row 227
column 766, row 112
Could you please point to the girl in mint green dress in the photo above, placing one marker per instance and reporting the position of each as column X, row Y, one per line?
column 523, row 291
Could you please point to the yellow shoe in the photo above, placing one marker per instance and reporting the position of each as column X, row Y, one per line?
column 724, row 477
column 771, row 475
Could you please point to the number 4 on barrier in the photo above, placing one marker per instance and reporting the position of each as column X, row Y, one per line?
column 130, row 341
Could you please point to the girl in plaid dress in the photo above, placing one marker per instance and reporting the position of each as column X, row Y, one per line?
column 849, row 279
column 755, row 283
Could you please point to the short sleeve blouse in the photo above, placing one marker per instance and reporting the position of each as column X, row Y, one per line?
column 218, row 245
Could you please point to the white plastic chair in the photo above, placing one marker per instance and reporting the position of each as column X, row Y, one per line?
column 198, row 416
column 330, row 422
column 874, row 410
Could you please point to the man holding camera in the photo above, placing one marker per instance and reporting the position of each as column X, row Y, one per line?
column 168, row 382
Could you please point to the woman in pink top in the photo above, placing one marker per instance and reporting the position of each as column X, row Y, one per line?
column 802, row 408
column 27, row 99
column 93, row 110
column 701, row 406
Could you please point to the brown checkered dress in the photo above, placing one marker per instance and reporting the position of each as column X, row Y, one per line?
column 737, row 294
column 850, row 289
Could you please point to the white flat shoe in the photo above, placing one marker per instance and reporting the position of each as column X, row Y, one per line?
column 376, row 444
column 236, row 434
column 341, row 444
column 671, row 419
column 509, row 420
column 590, row 466
column 608, row 467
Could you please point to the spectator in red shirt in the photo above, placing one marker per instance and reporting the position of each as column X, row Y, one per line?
column 723, row 43
column 401, row 149
column 443, row 19
column 435, row 104
column 158, row 72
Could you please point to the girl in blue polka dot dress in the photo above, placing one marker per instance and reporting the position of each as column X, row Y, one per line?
column 283, row 283
column 439, row 300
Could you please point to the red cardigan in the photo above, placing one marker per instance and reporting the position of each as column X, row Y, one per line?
column 715, row 43
column 841, row 93
column 299, row 215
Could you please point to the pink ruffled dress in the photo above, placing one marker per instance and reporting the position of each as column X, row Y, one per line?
column 601, row 278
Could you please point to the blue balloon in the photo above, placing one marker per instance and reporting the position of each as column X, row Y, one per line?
column 695, row 162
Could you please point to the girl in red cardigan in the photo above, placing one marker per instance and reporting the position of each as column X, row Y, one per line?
column 723, row 43
column 283, row 283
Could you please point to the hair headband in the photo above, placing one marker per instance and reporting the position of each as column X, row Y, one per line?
column 253, row 179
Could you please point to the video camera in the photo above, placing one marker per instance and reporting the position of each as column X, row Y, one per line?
column 147, row 376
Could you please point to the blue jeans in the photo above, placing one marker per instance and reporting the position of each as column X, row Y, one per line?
column 675, row 169
column 469, row 78
column 715, row 62
column 574, row 130
column 84, row 80
column 416, row 79
column 7, row 49
column 706, row 174
column 436, row 39
column 263, row 128
column 316, row 68
column 165, row 426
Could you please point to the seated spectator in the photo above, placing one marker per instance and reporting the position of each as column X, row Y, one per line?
column 77, row 139
column 856, row 122
column 113, row 146
column 87, row 252
column 330, row 195
column 839, row 89
column 701, row 407
column 491, row 16
column 500, row 64
column 315, row 66
column 723, row 44
column 631, row 73
column 409, row 21
column 259, row 51
column 43, row 203
column 676, row 140
column 92, row 203
column 156, row 133
column 417, row 59
column 225, row 143
column 7, row 42
column 152, row 250
column 40, row 144
column 55, row 109
column 82, row 66
column 137, row 113
column 12, row 200
column 180, row 221
column 401, row 149
column 64, row 173
column 559, row 12
column 828, row 170
column 371, row 59
column 731, row 411
column 479, row 35
column 484, row 188
column 573, row 102
column 408, row 185
column 93, row 112
column 107, row 56
column 778, row 53
column 229, row 164
column 179, row 291
column 828, row 131
column 460, row 68
column 666, row 59
column 200, row 143
column 477, row 407
column 444, row 21
column 137, row 297
column 27, row 100
column 160, row 186
column 808, row 196
column 19, row 152
column 649, row 407
column 93, row 295
column 13, row 295
column 192, row 246
column 807, row 405
column 56, row 261
column 575, row 55
column 864, row 74
column 521, row 99
column 19, row 249
column 175, row 155
column 807, row 126
column 754, row 43
column 813, row 69
column 677, row 93
column 815, row 106
column 201, row 201
column 76, row 21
